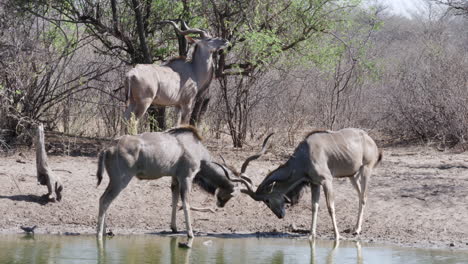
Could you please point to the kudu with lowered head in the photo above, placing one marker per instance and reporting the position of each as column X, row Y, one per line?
column 320, row 157
column 175, row 83
column 178, row 153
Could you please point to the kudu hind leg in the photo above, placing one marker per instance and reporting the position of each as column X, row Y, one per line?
column 104, row 202
column 138, row 110
column 111, row 192
column 185, row 112
column 356, row 182
column 184, row 192
column 365, row 173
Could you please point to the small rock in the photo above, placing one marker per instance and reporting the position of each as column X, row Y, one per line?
column 452, row 244
column 184, row 245
column 208, row 243
column 110, row 233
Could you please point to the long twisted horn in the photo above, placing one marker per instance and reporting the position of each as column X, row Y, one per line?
column 241, row 175
column 256, row 156
column 247, row 183
column 202, row 33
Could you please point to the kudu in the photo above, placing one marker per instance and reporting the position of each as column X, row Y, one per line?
column 320, row 157
column 178, row 153
column 175, row 83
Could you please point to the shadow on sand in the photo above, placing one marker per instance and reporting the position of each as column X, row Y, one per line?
column 31, row 198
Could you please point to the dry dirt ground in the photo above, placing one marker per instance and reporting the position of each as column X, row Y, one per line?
column 418, row 197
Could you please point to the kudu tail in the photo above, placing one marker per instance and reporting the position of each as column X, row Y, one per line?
column 128, row 92
column 379, row 159
column 100, row 170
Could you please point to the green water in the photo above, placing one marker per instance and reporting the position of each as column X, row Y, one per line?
column 164, row 249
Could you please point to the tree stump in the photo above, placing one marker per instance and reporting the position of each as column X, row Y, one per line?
column 44, row 173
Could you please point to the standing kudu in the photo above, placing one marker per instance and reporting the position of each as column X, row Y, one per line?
column 178, row 153
column 322, row 156
column 175, row 83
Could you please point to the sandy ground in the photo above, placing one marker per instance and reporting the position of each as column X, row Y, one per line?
column 418, row 197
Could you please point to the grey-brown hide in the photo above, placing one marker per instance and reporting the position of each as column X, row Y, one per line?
column 211, row 178
column 175, row 83
column 178, row 153
column 318, row 159
column 44, row 173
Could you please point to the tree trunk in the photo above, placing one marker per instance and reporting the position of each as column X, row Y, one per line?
column 141, row 32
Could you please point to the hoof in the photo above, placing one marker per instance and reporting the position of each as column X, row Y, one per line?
column 356, row 233
column 347, row 231
column 352, row 231
column 190, row 235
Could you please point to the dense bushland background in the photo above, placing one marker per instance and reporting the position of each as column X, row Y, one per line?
column 292, row 66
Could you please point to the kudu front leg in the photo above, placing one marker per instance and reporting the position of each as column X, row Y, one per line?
column 330, row 199
column 175, row 200
column 315, row 192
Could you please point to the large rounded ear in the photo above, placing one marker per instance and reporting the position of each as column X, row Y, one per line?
column 271, row 187
column 237, row 189
column 190, row 40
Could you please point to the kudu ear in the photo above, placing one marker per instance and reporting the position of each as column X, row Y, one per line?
column 190, row 40
column 272, row 186
column 237, row 190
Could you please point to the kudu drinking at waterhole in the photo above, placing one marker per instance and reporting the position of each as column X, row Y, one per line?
column 175, row 83
column 178, row 153
column 320, row 157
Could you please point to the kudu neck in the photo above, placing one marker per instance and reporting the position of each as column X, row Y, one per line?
column 202, row 63
column 287, row 178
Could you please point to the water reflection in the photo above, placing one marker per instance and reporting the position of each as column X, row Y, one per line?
column 179, row 255
column 144, row 250
column 330, row 259
column 157, row 249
